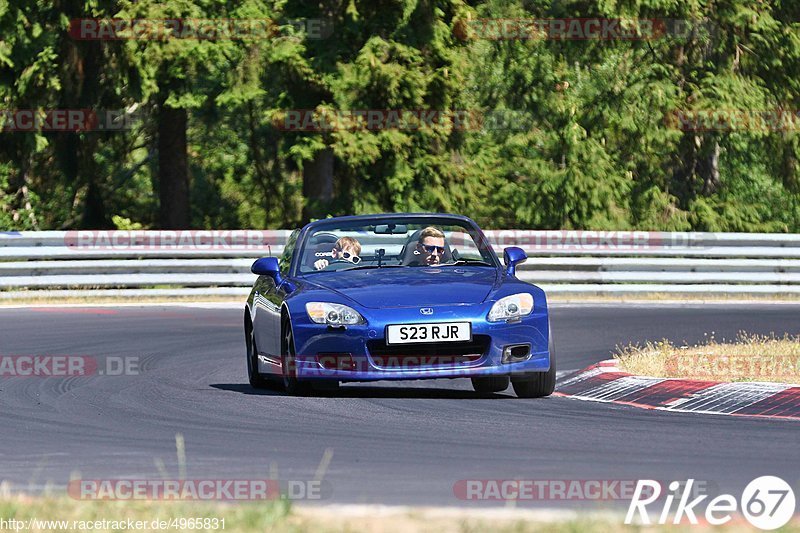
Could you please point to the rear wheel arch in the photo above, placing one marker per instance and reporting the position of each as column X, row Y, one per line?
column 256, row 379
column 248, row 325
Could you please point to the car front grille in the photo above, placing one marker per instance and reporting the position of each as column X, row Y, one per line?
column 430, row 355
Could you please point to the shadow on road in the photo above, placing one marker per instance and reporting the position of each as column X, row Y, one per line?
column 371, row 391
column 245, row 388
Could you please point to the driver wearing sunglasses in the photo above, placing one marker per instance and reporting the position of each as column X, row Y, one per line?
column 345, row 249
column 430, row 246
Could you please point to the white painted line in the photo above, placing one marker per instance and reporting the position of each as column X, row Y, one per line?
column 561, row 373
column 728, row 398
column 583, row 376
column 613, row 390
column 718, row 399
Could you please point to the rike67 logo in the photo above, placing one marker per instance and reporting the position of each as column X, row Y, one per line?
column 767, row 502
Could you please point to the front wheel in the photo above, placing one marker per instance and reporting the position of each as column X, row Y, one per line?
column 538, row 384
column 291, row 384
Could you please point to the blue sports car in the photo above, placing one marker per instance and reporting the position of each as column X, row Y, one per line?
column 394, row 297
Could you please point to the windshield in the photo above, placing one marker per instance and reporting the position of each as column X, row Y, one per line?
column 393, row 243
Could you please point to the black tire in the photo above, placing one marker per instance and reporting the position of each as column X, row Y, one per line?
column 538, row 384
column 490, row 384
column 256, row 379
column 291, row 384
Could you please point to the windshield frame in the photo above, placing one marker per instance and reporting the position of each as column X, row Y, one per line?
column 400, row 218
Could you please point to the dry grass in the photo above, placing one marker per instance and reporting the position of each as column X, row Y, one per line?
column 279, row 516
column 747, row 358
column 271, row 516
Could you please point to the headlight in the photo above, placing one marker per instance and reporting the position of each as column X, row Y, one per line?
column 514, row 306
column 333, row 314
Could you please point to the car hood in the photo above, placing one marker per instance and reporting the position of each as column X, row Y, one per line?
column 410, row 287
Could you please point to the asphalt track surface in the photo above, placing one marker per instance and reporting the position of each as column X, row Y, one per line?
column 391, row 443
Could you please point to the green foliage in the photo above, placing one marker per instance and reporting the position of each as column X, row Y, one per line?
column 592, row 143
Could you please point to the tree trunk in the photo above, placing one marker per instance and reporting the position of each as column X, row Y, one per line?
column 173, row 168
column 85, row 63
column 711, row 170
column 318, row 185
column 790, row 169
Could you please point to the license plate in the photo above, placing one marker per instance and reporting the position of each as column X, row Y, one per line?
column 442, row 332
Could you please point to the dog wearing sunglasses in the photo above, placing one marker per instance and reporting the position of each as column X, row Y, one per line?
column 346, row 249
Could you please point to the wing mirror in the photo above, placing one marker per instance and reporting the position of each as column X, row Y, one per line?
column 513, row 256
column 268, row 266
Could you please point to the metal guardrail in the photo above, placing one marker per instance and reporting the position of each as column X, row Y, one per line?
column 57, row 264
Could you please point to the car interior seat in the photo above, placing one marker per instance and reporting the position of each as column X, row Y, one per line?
column 319, row 247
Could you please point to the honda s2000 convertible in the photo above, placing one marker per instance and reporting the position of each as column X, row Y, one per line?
column 396, row 297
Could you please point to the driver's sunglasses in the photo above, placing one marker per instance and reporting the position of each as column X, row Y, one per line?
column 347, row 256
column 430, row 249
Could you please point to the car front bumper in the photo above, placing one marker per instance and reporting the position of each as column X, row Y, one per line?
column 349, row 354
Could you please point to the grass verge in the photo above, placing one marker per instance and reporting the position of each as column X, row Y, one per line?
column 65, row 514
column 747, row 358
column 96, row 516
